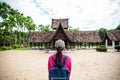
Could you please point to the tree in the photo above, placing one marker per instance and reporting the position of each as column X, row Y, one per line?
column 13, row 25
column 4, row 14
column 29, row 24
column 76, row 29
column 44, row 28
column 118, row 27
column 4, row 10
column 1, row 34
column 102, row 32
column 73, row 29
column 20, row 24
column 70, row 29
column 5, row 30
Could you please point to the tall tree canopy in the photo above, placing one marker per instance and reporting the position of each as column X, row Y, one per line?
column 44, row 28
column 118, row 27
column 14, row 25
column 102, row 32
column 73, row 29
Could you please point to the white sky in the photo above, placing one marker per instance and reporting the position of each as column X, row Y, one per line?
column 82, row 14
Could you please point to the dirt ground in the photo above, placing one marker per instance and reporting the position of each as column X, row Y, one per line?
column 86, row 65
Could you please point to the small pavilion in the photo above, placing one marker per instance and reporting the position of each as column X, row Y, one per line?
column 112, row 37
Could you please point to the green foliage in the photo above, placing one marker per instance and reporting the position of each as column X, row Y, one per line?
column 76, row 29
column 70, row 29
column 102, row 32
column 117, row 47
column 3, row 48
column 9, row 48
column 15, row 46
column 4, row 10
column 29, row 23
column 118, row 27
column 44, row 28
column 101, row 49
column 13, row 26
column 73, row 29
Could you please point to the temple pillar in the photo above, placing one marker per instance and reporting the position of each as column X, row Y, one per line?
column 113, row 44
column 106, row 43
column 39, row 45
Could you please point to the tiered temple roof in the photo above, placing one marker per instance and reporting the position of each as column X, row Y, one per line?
column 80, row 36
column 60, row 31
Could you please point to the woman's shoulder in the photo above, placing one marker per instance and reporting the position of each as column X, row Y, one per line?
column 52, row 55
column 64, row 55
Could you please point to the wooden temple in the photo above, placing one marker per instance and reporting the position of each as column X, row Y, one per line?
column 60, row 31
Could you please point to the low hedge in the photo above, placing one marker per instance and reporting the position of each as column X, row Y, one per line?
column 15, row 46
column 3, row 48
column 117, row 47
column 101, row 49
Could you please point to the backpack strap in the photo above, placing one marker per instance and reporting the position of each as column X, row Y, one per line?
column 64, row 59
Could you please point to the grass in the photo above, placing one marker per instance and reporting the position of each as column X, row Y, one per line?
column 75, row 47
column 23, row 48
column 20, row 49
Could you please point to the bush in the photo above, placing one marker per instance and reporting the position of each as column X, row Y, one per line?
column 117, row 47
column 3, row 48
column 9, row 48
column 101, row 49
column 26, row 46
column 15, row 46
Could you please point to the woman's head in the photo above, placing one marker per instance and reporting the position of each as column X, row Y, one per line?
column 59, row 45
